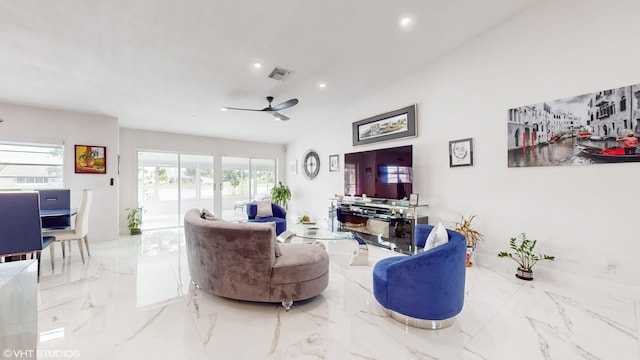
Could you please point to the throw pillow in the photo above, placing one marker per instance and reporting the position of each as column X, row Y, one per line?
column 276, row 245
column 431, row 239
column 207, row 215
column 264, row 209
column 438, row 236
column 441, row 236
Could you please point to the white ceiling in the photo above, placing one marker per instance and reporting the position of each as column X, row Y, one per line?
column 170, row 65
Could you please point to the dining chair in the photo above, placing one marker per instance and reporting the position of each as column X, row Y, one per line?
column 81, row 228
column 21, row 228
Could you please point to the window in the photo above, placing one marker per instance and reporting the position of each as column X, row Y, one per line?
column 31, row 166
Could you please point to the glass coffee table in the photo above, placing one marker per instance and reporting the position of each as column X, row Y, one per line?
column 312, row 233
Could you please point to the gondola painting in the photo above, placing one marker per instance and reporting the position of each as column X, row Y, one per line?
column 600, row 127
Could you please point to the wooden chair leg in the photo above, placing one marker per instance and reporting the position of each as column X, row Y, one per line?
column 38, row 260
column 64, row 253
column 52, row 252
column 81, row 251
column 86, row 245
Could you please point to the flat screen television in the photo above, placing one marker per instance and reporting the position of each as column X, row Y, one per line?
column 382, row 173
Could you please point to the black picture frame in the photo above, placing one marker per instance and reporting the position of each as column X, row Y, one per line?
column 461, row 152
column 392, row 125
column 334, row 163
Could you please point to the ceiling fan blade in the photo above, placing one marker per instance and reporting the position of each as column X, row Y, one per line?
column 280, row 116
column 231, row 108
column 285, row 105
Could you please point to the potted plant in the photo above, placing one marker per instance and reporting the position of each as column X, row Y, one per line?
column 280, row 194
column 472, row 235
column 134, row 220
column 524, row 256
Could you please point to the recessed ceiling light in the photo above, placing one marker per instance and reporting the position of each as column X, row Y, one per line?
column 223, row 109
column 405, row 21
column 322, row 85
column 257, row 65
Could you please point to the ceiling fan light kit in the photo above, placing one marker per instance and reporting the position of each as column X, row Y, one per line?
column 273, row 110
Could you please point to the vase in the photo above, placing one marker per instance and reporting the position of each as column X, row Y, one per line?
column 524, row 274
column 470, row 250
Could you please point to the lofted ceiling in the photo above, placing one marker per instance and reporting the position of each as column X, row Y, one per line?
column 170, row 65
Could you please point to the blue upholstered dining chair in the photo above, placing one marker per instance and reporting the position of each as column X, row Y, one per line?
column 426, row 289
column 21, row 227
column 55, row 200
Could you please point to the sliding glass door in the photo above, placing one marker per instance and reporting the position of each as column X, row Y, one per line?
column 158, row 190
column 169, row 184
column 235, row 187
column 196, row 183
column 244, row 180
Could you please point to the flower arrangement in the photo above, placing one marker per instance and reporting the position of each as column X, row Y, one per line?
column 463, row 226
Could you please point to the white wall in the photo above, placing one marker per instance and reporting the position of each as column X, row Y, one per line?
column 132, row 140
column 31, row 124
column 584, row 215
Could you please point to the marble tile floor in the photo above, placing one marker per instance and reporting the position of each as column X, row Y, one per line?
column 133, row 299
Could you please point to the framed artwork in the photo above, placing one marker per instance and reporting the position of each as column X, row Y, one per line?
column 413, row 199
column 393, row 125
column 334, row 164
column 90, row 159
column 595, row 128
column 461, row 152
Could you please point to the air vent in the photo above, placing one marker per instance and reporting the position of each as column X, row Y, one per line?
column 279, row 73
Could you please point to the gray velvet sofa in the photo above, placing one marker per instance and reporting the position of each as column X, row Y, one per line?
column 238, row 261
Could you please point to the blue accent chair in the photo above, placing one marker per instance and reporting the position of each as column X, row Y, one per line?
column 426, row 289
column 21, row 227
column 279, row 216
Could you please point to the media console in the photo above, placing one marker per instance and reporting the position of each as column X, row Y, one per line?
column 380, row 222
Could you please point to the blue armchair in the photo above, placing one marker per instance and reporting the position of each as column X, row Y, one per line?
column 427, row 289
column 20, row 226
column 279, row 216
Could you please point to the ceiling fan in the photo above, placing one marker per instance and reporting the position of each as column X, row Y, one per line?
column 273, row 110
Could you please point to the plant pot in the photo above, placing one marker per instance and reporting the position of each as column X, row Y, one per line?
column 524, row 274
column 136, row 231
column 470, row 250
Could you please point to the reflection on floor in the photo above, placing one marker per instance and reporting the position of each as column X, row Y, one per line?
column 133, row 300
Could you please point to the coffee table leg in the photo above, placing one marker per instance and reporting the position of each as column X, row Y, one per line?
column 360, row 256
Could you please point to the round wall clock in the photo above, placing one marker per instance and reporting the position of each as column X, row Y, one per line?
column 311, row 164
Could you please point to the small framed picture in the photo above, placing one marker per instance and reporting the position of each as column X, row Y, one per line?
column 334, row 163
column 90, row 159
column 413, row 199
column 293, row 167
column 461, row 152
